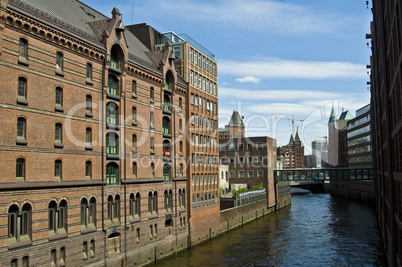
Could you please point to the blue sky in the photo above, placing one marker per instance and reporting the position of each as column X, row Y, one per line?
column 275, row 58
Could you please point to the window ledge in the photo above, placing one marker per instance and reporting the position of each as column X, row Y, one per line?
column 59, row 108
column 152, row 152
column 115, row 70
column 114, row 97
column 88, row 229
column 168, row 112
column 88, row 114
column 135, row 151
column 134, row 219
column 22, row 100
column 167, row 135
column 134, row 122
column 23, row 61
column 88, row 147
column 111, row 156
column 21, row 141
column 134, row 95
column 55, row 236
column 153, row 215
column 58, row 144
column 113, row 126
column 59, row 72
column 167, row 91
column 151, row 101
column 24, row 241
column 89, row 81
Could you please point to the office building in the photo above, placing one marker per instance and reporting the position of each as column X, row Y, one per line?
column 386, row 122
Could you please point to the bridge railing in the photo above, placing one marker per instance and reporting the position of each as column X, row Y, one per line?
column 327, row 174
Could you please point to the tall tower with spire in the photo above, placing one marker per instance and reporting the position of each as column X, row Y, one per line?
column 332, row 139
column 292, row 154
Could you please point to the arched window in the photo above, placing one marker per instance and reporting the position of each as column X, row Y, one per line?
column 62, row 215
column 112, row 173
column 114, row 61
column 21, row 131
column 58, row 170
column 84, row 212
column 110, row 208
column 88, row 106
column 180, row 104
column 180, row 126
column 155, row 202
column 152, row 170
column 23, row 49
column 88, row 170
column 22, row 91
column 52, row 216
column 134, row 89
column 88, row 138
column 181, row 169
column 113, row 85
column 152, row 145
column 116, row 208
column 20, row 173
column 134, row 143
column 181, row 147
column 26, row 220
column 134, row 169
column 137, row 206
column 134, row 116
column 13, row 213
column 92, row 211
column 58, row 135
column 112, row 113
column 150, row 203
column 59, row 61
column 59, row 99
column 151, row 118
column 152, row 94
column 89, row 74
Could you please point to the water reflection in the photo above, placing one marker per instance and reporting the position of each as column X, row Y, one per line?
column 317, row 230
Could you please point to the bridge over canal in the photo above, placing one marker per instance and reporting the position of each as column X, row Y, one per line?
column 298, row 177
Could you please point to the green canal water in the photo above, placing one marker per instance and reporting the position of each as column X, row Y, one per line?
column 316, row 230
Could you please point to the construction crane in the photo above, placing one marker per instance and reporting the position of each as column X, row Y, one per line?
column 292, row 119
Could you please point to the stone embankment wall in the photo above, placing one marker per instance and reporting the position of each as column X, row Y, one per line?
column 360, row 190
column 228, row 220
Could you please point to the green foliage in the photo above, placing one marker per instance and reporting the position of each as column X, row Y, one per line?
column 235, row 192
column 257, row 187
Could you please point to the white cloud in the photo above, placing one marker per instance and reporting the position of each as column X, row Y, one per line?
column 292, row 69
column 251, row 15
column 249, row 79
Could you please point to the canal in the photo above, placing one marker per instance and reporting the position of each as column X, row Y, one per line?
column 316, row 230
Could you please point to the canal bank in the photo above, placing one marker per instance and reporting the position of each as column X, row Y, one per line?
column 316, row 230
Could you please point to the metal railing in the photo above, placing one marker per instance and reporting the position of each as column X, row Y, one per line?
column 324, row 174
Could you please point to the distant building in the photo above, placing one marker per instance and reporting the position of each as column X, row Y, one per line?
column 319, row 153
column 235, row 128
column 308, row 161
column 359, row 139
column 337, row 151
column 292, row 154
column 224, row 176
column 250, row 160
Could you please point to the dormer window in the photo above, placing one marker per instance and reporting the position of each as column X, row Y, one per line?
column 113, row 59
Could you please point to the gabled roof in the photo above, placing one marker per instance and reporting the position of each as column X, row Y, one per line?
column 297, row 139
column 236, row 119
column 291, row 140
column 76, row 17
column 332, row 117
column 346, row 115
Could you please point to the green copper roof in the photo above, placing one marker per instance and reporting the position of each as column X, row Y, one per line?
column 346, row 115
column 332, row 117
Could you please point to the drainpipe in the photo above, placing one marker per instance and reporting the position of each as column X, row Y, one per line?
column 103, row 132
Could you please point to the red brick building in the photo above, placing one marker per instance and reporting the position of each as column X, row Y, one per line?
column 92, row 150
column 292, row 154
column 386, row 123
